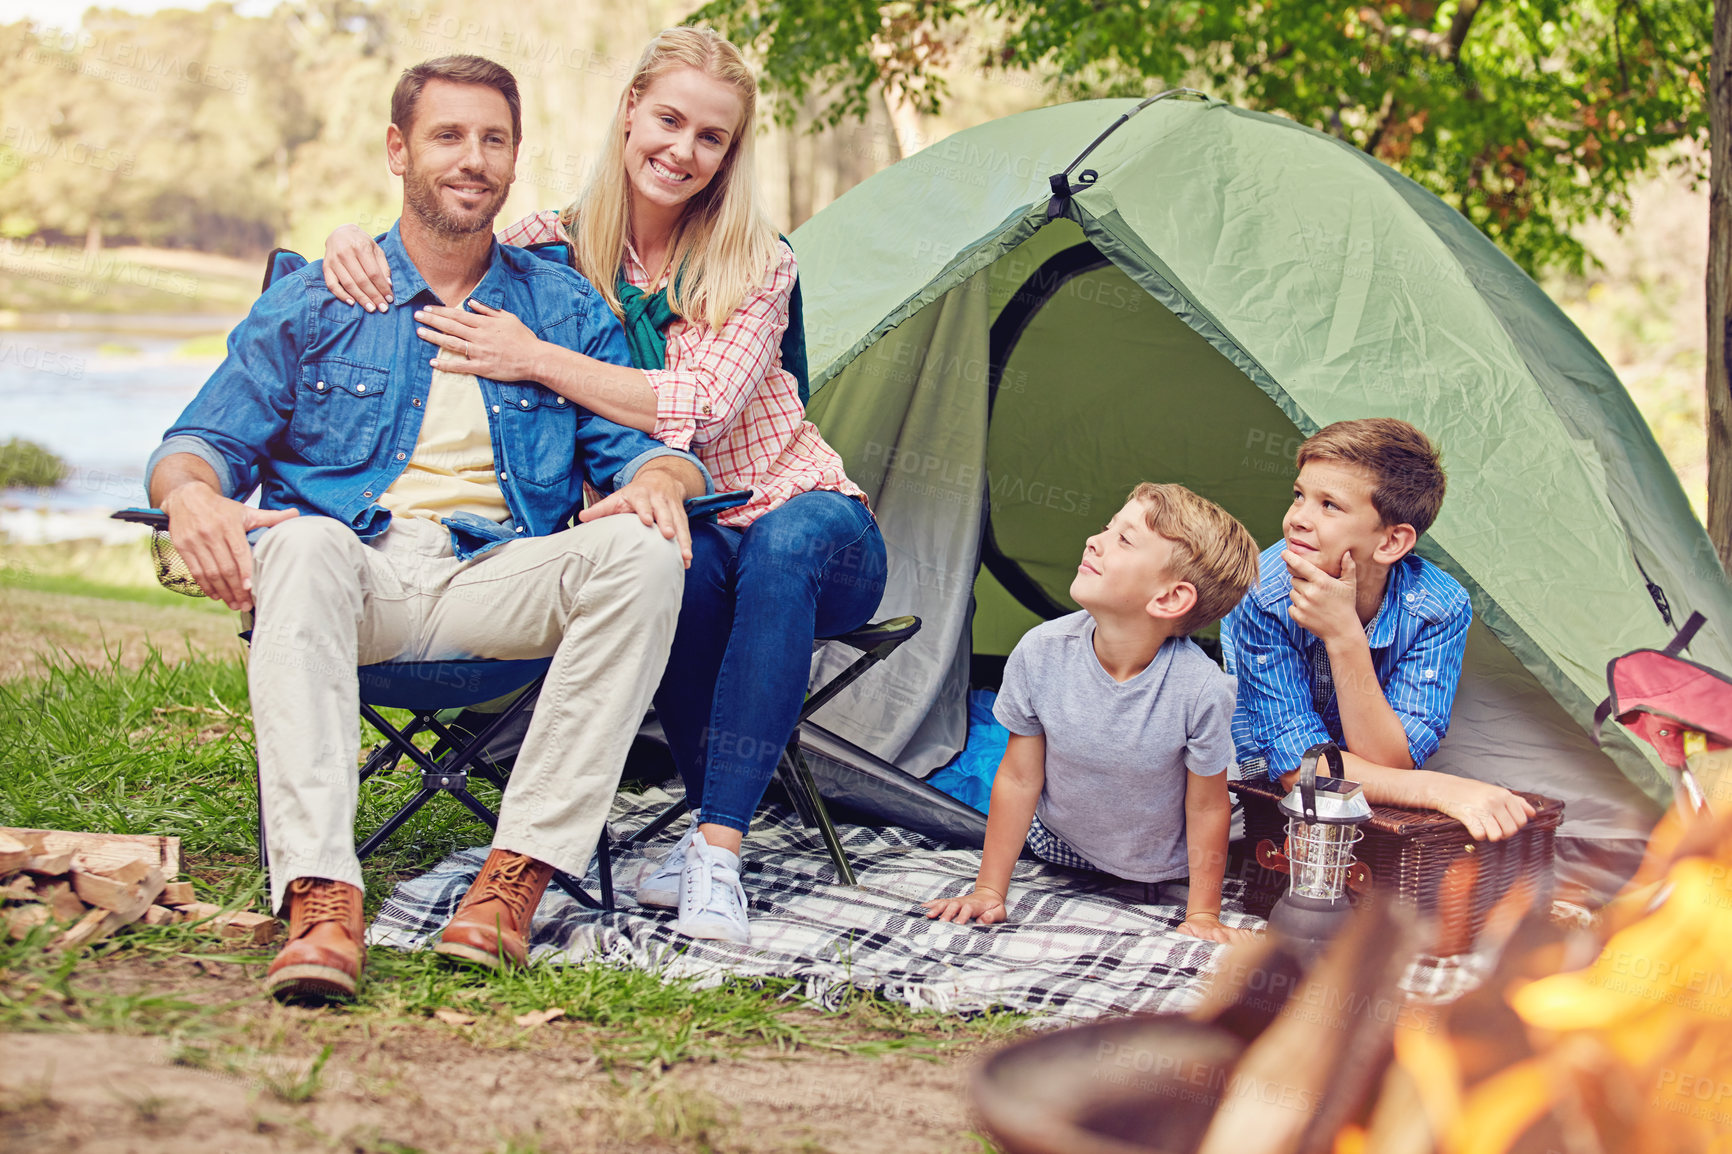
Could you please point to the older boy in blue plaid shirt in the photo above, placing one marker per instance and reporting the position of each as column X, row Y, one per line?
column 1348, row 637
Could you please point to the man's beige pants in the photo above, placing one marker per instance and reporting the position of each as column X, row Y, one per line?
column 601, row 599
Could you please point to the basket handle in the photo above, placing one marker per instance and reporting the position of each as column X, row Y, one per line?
column 1326, row 750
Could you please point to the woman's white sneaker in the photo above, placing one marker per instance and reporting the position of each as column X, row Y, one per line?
column 661, row 886
column 712, row 903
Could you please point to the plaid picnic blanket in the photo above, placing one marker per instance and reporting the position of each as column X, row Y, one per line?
column 1077, row 945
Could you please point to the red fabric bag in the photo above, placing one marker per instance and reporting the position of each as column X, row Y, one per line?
column 1658, row 695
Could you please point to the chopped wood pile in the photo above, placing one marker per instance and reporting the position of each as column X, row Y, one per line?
column 89, row 885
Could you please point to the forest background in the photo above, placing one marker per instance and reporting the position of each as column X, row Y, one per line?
column 1566, row 131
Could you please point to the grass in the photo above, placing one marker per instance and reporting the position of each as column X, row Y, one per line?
column 66, row 279
column 294, row 1089
column 163, row 749
column 16, row 578
column 119, row 572
column 28, row 465
column 168, row 748
column 200, row 348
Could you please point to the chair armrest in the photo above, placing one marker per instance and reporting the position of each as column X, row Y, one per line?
column 704, row 506
column 894, row 630
column 155, row 518
column 712, row 503
column 171, row 570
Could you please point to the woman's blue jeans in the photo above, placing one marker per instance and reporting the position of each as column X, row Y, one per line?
column 754, row 600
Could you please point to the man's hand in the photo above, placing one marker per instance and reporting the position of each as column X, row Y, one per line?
column 658, row 497
column 983, row 905
column 1325, row 606
column 1490, row 812
column 210, row 532
column 1208, row 927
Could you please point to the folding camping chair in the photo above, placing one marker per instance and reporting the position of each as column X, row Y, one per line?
column 875, row 642
column 427, row 689
column 1682, row 709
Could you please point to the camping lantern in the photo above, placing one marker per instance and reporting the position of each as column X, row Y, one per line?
column 1323, row 820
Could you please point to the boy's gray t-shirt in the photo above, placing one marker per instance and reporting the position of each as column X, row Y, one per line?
column 1117, row 754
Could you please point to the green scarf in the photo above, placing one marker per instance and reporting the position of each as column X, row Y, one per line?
column 646, row 321
column 647, row 316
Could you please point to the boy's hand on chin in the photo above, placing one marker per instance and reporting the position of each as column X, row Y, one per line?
column 1490, row 812
column 1325, row 606
column 983, row 906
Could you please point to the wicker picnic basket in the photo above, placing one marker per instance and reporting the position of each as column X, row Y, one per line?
column 1424, row 858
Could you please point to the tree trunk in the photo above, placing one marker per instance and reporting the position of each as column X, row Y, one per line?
column 93, row 240
column 907, row 134
column 1719, row 283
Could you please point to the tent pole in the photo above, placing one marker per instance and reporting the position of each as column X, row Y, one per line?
column 1062, row 190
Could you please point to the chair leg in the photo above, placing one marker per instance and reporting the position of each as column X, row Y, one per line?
column 421, row 798
column 474, row 806
column 575, row 890
column 264, row 850
column 668, row 816
column 385, row 756
column 604, row 867
column 798, row 780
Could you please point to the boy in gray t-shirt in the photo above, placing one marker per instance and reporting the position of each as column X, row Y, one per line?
column 1121, row 727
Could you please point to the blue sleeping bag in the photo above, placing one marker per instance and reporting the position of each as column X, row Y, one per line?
column 968, row 777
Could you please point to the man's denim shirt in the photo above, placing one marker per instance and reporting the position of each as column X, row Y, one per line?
column 321, row 402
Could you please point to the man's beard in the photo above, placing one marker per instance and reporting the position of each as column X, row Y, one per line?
column 421, row 196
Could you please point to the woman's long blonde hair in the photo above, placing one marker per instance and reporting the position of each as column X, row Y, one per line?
column 722, row 247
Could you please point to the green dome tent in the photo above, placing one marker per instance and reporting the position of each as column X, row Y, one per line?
column 1000, row 354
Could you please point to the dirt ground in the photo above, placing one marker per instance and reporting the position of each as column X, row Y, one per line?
column 427, row 1086
column 91, row 629
column 390, row 1086
column 424, row 1090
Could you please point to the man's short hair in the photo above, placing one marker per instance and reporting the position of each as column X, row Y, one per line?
column 1211, row 549
column 457, row 70
column 1410, row 479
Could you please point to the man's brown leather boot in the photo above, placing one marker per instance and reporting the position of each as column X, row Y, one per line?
column 324, row 953
column 492, row 921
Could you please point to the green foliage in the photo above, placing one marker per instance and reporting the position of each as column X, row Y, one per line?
column 1529, row 116
column 225, row 132
column 27, row 465
column 182, row 128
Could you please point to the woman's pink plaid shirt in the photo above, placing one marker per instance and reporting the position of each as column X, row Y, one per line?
column 725, row 396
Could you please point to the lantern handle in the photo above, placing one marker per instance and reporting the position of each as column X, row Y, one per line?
column 1308, row 774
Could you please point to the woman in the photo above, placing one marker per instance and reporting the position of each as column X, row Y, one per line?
column 670, row 231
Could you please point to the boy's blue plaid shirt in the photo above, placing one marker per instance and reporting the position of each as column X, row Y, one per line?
column 1417, row 640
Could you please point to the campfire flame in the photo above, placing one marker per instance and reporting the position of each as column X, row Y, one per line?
column 1631, row 1053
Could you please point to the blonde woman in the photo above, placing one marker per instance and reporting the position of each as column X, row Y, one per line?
column 671, row 232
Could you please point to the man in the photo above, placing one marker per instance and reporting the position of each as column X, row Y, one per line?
column 409, row 514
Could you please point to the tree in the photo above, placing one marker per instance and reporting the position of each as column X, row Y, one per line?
column 1528, row 116
column 1719, row 283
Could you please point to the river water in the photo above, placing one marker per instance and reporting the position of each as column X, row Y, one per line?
column 99, row 391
